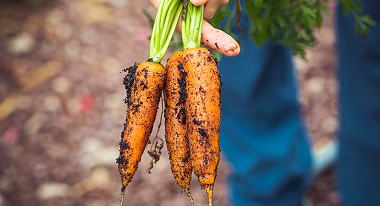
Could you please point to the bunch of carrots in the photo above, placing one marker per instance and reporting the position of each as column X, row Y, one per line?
column 191, row 85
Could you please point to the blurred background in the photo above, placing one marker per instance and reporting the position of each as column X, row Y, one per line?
column 62, row 110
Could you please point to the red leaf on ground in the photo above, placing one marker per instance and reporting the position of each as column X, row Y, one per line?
column 11, row 135
column 87, row 103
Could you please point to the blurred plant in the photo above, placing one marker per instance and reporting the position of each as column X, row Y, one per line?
column 363, row 22
column 287, row 22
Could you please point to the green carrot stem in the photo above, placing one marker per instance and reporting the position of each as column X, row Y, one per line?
column 165, row 7
column 163, row 28
column 192, row 26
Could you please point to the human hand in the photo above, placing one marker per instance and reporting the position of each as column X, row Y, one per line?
column 211, row 6
column 212, row 38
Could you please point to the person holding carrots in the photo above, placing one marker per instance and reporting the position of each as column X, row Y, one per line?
column 262, row 131
column 270, row 163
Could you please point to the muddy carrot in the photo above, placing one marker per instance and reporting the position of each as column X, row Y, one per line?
column 144, row 83
column 203, row 101
column 203, row 115
column 175, row 123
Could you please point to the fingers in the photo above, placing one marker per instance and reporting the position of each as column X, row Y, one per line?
column 155, row 3
column 218, row 40
column 211, row 6
column 199, row 2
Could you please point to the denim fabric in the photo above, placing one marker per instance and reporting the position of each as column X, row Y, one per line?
column 262, row 132
column 358, row 165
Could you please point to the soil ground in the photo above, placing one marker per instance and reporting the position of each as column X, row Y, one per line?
column 62, row 110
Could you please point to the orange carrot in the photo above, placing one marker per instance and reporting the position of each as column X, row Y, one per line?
column 144, row 84
column 203, row 100
column 203, row 114
column 175, row 123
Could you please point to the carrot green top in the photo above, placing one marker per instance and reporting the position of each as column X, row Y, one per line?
column 192, row 26
column 163, row 29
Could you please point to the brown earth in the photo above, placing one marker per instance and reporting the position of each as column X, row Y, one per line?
column 62, row 110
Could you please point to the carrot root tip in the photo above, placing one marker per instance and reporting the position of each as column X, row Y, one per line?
column 122, row 195
column 188, row 193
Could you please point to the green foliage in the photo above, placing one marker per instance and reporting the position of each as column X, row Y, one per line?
column 288, row 22
column 363, row 22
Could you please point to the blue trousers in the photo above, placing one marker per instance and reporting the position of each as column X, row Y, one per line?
column 358, row 166
column 263, row 135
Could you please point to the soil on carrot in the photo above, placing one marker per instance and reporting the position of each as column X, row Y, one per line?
column 182, row 84
column 128, row 80
column 62, row 108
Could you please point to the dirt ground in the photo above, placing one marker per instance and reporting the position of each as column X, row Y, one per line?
column 62, row 110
